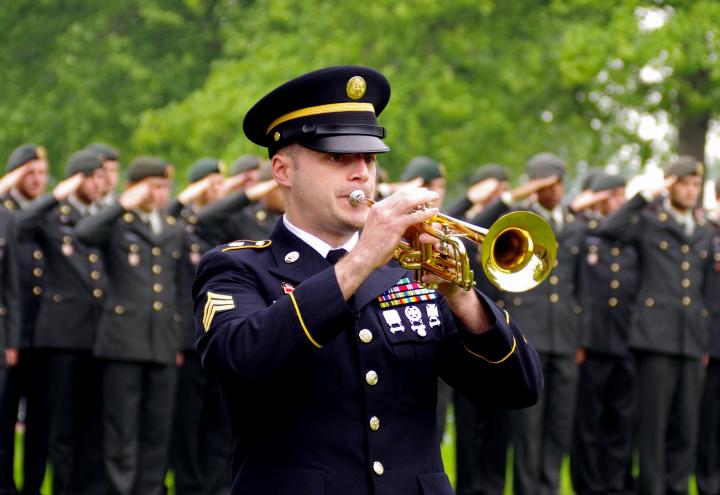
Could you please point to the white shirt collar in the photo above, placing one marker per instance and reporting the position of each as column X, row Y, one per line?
column 685, row 218
column 322, row 247
column 77, row 204
column 556, row 214
column 20, row 198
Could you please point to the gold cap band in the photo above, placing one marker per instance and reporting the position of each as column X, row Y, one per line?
column 329, row 108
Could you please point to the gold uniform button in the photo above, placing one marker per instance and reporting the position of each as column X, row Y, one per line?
column 374, row 423
column 685, row 266
column 686, row 301
column 500, row 303
column 95, row 275
column 37, row 290
column 554, row 298
column 3, row 311
column 128, row 217
column 157, row 305
column 685, row 249
column 663, row 245
column 517, row 301
column 371, row 377
column 555, row 263
column 37, row 272
column 704, row 312
column 615, row 251
column 195, row 247
column 663, row 216
column 93, row 258
column 378, row 468
column 703, row 254
column 612, row 302
column 57, row 298
column 176, row 255
column 156, row 269
column 119, row 310
column 365, row 335
column 577, row 309
column 67, row 239
column 592, row 248
column 134, row 248
column 685, row 283
column 614, row 284
column 574, row 250
column 553, row 280
column 157, row 287
column 97, row 293
column 649, row 302
column 156, row 251
column 37, row 254
column 615, row 267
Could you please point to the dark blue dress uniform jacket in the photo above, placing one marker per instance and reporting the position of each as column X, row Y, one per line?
column 323, row 397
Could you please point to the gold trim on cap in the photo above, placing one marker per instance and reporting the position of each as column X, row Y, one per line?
column 320, row 109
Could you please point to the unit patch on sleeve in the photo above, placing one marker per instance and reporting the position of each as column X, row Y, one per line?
column 216, row 303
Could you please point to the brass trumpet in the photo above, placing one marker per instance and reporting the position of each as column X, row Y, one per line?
column 518, row 250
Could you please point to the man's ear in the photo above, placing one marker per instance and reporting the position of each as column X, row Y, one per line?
column 282, row 163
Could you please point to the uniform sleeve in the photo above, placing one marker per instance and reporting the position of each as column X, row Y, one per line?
column 490, row 213
column 239, row 334
column 27, row 219
column 96, row 230
column 459, row 207
column 175, row 208
column 11, row 289
column 497, row 369
column 625, row 224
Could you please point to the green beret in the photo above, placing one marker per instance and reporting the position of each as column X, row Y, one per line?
column 245, row 163
column 545, row 165
column 685, row 166
column 606, row 182
column 204, row 167
column 106, row 152
column 148, row 166
column 589, row 177
column 490, row 171
column 23, row 154
column 425, row 167
column 84, row 162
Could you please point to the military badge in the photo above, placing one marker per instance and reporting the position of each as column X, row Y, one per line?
column 392, row 318
column 405, row 292
column 433, row 315
column 287, row 287
column 356, row 88
column 414, row 314
column 216, row 303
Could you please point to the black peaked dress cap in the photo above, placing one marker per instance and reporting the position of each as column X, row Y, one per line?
column 331, row 110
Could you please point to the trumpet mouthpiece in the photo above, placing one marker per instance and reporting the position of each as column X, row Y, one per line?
column 357, row 198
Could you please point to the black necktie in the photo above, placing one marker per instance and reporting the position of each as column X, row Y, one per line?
column 334, row 255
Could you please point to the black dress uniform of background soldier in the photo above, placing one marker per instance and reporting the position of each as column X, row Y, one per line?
column 604, row 419
column 28, row 165
column 550, row 317
column 201, row 448
column 343, row 400
column 707, row 472
column 482, row 436
column 9, row 295
column 67, row 320
column 669, row 330
column 138, row 336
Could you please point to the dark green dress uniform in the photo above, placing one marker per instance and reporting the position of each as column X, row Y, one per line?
column 67, row 320
column 138, row 338
column 9, row 290
column 707, row 471
column 669, row 336
column 28, row 378
column 604, row 419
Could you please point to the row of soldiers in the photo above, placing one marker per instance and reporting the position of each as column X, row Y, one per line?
column 627, row 327
column 98, row 331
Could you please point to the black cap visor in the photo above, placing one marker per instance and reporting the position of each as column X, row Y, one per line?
column 346, row 144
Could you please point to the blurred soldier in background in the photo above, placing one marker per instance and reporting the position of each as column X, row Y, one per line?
column 669, row 323
column 487, row 183
column 25, row 180
column 9, row 296
column 109, row 155
column 138, row 336
column 707, row 472
column 201, row 446
column 604, row 418
column 69, row 312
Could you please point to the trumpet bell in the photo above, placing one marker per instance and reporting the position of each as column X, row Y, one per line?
column 518, row 251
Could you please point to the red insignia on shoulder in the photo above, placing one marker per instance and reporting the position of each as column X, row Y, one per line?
column 287, row 287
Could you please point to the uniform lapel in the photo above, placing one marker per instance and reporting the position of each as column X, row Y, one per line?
column 295, row 259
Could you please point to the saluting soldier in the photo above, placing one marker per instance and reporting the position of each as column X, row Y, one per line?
column 669, row 323
column 138, row 336
column 328, row 370
column 486, row 184
column 201, row 447
column 69, row 312
column 25, row 180
column 9, row 296
column 111, row 165
column 604, row 420
column 707, row 472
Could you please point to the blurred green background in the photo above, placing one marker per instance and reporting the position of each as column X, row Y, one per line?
column 473, row 81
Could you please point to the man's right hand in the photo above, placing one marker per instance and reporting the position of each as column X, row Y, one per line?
column 12, row 178
column 261, row 189
column 135, row 195
column 532, row 186
column 193, row 191
column 68, row 186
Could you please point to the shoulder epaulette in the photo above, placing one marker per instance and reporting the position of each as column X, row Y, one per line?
column 232, row 246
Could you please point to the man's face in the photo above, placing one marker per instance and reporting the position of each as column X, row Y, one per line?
column 438, row 185
column 551, row 196
column 92, row 186
column 35, row 180
column 615, row 201
column 112, row 174
column 317, row 186
column 685, row 192
column 159, row 195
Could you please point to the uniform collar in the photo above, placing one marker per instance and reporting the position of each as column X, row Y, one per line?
column 19, row 198
column 322, row 247
column 75, row 202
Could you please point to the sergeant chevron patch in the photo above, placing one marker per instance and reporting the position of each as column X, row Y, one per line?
column 405, row 292
column 216, row 303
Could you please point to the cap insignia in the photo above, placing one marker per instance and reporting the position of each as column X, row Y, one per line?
column 276, row 136
column 40, row 152
column 356, row 87
column 222, row 167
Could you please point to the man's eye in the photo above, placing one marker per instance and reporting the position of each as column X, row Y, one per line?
column 337, row 158
column 370, row 159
